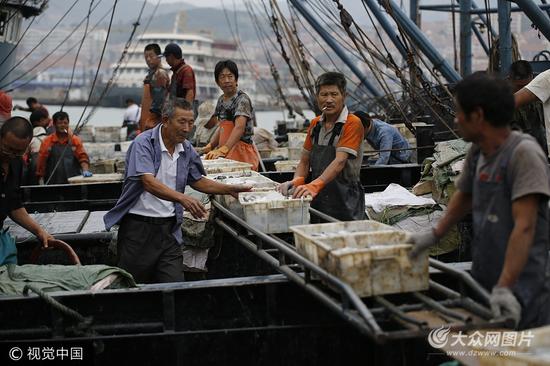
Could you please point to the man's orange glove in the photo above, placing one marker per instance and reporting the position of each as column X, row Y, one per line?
column 218, row 153
column 287, row 187
column 311, row 189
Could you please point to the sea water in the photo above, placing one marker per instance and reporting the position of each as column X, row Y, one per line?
column 107, row 117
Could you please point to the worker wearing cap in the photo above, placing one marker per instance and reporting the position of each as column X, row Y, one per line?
column 182, row 83
column 333, row 150
column 505, row 183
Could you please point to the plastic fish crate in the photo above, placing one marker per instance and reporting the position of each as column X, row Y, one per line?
column 294, row 153
column 286, row 165
column 225, row 166
column 280, row 152
column 258, row 182
column 107, row 134
column 275, row 216
column 103, row 166
column 296, row 140
column 306, row 237
column 376, row 263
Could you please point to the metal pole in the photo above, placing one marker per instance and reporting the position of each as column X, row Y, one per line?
column 480, row 38
column 298, row 4
column 414, row 12
column 536, row 15
column 483, row 18
column 505, row 36
column 545, row 3
column 387, row 26
column 512, row 9
column 465, row 38
column 449, row 8
column 475, row 10
column 422, row 43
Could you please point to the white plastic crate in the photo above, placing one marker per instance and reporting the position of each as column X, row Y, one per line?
column 107, row 134
column 222, row 165
column 280, row 152
column 306, row 237
column 378, row 268
column 294, row 153
column 258, row 182
column 271, row 212
column 286, row 165
column 296, row 140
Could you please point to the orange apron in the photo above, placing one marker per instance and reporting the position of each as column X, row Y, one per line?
column 148, row 120
column 241, row 151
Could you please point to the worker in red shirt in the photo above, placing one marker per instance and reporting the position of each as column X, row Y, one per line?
column 62, row 154
column 5, row 106
column 182, row 83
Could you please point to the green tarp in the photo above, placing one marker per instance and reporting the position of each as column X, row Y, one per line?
column 54, row 277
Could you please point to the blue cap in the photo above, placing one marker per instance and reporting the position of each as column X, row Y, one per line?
column 172, row 49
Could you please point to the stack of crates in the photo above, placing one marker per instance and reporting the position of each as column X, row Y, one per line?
column 263, row 208
column 371, row 257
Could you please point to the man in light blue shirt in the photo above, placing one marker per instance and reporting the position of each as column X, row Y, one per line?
column 386, row 138
column 159, row 164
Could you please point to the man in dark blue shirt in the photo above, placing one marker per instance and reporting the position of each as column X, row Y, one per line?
column 15, row 137
column 386, row 138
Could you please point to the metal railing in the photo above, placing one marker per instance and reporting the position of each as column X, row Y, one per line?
column 340, row 297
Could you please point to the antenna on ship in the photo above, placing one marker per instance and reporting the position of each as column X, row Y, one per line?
column 180, row 22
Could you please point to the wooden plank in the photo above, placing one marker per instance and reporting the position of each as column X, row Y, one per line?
column 94, row 223
column 97, row 178
column 69, row 222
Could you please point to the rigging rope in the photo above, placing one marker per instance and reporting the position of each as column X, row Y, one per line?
column 91, row 90
column 308, row 99
column 77, row 54
column 49, row 54
column 70, row 48
column 41, row 41
column 111, row 80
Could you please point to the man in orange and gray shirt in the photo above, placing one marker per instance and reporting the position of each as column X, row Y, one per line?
column 155, row 88
column 333, row 150
column 61, row 154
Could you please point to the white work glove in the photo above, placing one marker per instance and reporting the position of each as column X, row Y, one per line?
column 422, row 241
column 504, row 303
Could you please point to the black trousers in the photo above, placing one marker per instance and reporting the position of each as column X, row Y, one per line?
column 148, row 251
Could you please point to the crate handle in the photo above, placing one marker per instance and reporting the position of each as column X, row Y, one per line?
column 403, row 261
column 385, row 258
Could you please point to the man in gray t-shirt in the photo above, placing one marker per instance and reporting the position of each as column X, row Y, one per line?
column 505, row 183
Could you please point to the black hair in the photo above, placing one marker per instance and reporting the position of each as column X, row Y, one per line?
column 226, row 64
column 130, row 100
column 38, row 115
column 521, row 70
column 31, row 100
column 57, row 116
column 331, row 78
column 19, row 126
column 153, row 47
column 489, row 93
column 364, row 117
